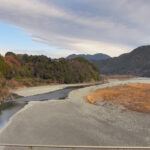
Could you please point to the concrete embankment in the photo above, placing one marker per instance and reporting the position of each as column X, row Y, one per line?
column 74, row 121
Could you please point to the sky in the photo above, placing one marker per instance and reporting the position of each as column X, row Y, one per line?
column 58, row 28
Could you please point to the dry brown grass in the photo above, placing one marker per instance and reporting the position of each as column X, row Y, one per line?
column 118, row 77
column 133, row 96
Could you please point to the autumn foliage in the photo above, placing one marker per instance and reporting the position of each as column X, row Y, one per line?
column 61, row 70
column 11, row 61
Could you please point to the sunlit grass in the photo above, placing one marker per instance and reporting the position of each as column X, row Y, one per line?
column 133, row 96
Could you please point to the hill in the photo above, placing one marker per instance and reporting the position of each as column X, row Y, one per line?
column 89, row 57
column 57, row 70
column 136, row 63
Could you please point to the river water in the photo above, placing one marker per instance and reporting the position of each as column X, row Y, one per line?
column 8, row 109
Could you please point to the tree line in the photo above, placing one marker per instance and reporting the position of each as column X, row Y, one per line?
column 61, row 70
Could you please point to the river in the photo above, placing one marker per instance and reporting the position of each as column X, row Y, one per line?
column 74, row 121
column 8, row 109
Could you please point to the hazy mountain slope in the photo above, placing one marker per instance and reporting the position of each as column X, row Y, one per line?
column 136, row 62
column 98, row 56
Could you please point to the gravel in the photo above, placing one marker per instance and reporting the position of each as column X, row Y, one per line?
column 74, row 121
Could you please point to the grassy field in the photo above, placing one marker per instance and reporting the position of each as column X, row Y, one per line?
column 135, row 97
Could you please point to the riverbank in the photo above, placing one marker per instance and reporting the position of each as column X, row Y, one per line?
column 6, row 86
column 48, row 88
column 74, row 121
column 8, row 109
column 14, row 88
column 42, row 93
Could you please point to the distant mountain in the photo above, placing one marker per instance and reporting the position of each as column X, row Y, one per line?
column 136, row 62
column 98, row 56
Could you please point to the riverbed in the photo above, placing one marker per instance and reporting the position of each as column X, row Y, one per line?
column 73, row 121
column 8, row 109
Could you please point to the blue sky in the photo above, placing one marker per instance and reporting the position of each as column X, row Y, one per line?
column 17, row 40
column 58, row 28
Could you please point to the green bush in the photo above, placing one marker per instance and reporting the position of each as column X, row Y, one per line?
column 4, row 68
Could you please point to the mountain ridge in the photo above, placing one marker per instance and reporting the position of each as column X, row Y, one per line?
column 136, row 62
column 98, row 56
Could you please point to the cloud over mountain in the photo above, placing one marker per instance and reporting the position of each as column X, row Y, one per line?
column 87, row 26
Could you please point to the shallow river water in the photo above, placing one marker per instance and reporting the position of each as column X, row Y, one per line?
column 10, row 108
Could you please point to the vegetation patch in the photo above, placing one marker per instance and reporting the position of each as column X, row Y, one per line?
column 22, row 70
column 117, row 77
column 135, row 97
column 20, row 66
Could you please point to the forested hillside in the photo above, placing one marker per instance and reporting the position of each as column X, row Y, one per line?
column 17, row 70
column 136, row 63
column 56, row 70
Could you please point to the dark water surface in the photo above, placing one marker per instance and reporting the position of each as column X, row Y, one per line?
column 8, row 109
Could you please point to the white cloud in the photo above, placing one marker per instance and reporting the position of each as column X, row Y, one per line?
column 3, row 51
column 87, row 26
